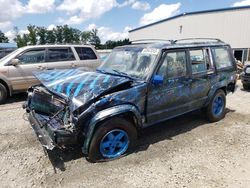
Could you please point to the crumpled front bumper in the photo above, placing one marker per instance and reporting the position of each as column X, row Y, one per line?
column 41, row 132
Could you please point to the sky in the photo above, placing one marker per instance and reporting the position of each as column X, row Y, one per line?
column 112, row 18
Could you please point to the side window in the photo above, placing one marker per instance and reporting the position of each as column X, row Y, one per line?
column 32, row 56
column 174, row 65
column 60, row 54
column 200, row 61
column 222, row 57
column 85, row 53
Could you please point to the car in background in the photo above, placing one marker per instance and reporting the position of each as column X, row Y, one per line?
column 6, row 48
column 104, row 53
column 137, row 86
column 16, row 69
column 245, row 77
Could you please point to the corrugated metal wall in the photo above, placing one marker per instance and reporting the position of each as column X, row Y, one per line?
column 232, row 26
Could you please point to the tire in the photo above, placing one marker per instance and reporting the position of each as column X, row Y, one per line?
column 215, row 111
column 246, row 86
column 105, row 145
column 3, row 93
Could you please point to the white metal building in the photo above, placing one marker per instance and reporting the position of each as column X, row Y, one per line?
column 231, row 25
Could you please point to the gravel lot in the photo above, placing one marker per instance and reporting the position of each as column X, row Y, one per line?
column 184, row 152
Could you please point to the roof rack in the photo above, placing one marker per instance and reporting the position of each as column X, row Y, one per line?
column 198, row 40
column 142, row 41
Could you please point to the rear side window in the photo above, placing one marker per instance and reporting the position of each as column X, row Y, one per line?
column 200, row 61
column 85, row 53
column 222, row 57
column 60, row 54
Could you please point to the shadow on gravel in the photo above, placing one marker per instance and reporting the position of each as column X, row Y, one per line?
column 16, row 98
column 171, row 128
column 148, row 136
column 58, row 157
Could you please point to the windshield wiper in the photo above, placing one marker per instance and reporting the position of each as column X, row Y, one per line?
column 123, row 74
column 117, row 73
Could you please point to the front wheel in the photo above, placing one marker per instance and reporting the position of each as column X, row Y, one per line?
column 216, row 109
column 246, row 86
column 112, row 139
column 3, row 93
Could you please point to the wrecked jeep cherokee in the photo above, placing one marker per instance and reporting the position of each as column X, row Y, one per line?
column 137, row 86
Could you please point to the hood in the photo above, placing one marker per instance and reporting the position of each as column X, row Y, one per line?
column 79, row 86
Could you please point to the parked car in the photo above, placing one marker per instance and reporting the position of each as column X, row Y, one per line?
column 245, row 77
column 6, row 48
column 138, row 86
column 104, row 53
column 16, row 69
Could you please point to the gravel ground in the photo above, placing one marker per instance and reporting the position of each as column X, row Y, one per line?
column 184, row 152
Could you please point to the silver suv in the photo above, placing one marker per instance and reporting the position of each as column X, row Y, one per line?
column 16, row 69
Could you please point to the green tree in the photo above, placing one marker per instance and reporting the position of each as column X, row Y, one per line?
column 42, row 34
column 85, row 36
column 32, row 34
column 51, row 37
column 3, row 38
column 95, row 40
column 22, row 40
column 58, row 31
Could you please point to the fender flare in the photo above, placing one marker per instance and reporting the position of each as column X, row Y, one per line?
column 213, row 89
column 108, row 113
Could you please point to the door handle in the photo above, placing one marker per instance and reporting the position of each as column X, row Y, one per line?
column 40, row 67
column 73, row 65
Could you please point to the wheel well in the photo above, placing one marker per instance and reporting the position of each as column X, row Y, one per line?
column 6, row 86
column 129, row 116
column 224, row 89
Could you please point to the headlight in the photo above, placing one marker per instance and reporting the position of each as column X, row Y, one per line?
column 247, row 70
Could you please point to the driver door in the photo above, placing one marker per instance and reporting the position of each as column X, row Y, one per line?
column 21, row 75
column 170, row 98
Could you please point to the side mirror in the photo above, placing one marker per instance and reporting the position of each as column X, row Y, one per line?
column 157, row 80
column 15, row 62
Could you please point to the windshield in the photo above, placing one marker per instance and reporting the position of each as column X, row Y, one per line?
column 10, row 56
column 132, row 61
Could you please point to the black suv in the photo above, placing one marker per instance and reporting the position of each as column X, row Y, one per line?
column 137, row 86
column 245, row 77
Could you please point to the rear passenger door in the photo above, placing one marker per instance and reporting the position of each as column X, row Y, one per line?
column 60, row 58
column 88, row 60
column 202, row 73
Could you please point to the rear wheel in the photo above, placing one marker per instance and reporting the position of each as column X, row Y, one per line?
column 112, row 139
column 216, row 109
column 246, row 86
column 3, row 93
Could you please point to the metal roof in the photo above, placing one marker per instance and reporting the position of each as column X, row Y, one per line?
column 8, row 45
column 191, row 13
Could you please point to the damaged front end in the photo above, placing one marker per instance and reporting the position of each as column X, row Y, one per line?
column 50, row 118
column 60, row 109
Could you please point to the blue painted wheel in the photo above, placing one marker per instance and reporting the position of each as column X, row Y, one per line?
column 218, row 105
column 114, row 143
column 215, row 111
column 112, row 139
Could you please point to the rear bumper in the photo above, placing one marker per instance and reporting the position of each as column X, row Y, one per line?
column 41, row 132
